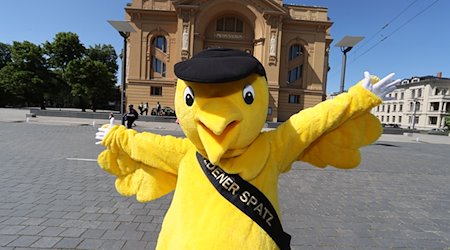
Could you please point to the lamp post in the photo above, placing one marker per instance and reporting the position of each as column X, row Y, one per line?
column 346, row 44
column 124, row 28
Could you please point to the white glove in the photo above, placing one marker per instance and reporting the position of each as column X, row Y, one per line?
column 382, row 87
column 103, row 131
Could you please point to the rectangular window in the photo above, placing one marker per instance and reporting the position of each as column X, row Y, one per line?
column 294, row 99
column 440, row 91
column 395, row 96
column 399, row 119
column 393, row 119
column 401, row 96
column 433, row 120
column 156, row 91
column 413, row 93
column 400, row 108
column 434, row 106
column 419, row 93
column 394, row 107
column 387, row 118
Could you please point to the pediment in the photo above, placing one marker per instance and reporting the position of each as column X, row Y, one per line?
column 271, row 7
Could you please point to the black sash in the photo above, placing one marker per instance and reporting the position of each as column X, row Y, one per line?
column 248, row 199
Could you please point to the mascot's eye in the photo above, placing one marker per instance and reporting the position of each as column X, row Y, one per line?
column 188, row 96
column 248, row 94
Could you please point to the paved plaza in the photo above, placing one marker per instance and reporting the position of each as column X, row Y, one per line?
column 53, row 195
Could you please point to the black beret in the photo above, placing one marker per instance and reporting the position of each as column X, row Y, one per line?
column 218, row 66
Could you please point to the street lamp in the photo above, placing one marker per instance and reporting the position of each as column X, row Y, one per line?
column 346, row 44
column 124, row 28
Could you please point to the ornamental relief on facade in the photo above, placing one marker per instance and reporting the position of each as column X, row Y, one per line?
column 156, row 4
column 259, row 5
column 229, row 36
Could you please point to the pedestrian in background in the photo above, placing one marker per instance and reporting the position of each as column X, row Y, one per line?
column 141, row 108
column 146, row 108
column 158, row 108
column 111, row 119
column 131, row 116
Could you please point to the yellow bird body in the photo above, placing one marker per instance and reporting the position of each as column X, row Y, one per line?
column 221, row 102
column 227, row 131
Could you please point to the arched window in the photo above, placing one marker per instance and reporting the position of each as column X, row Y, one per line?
column 158, row 67
column 295, row 51
column 160, row 43
column 230, row 24
column 159, row 49
column 295, row 73
column 415, row 80
column 295, row 64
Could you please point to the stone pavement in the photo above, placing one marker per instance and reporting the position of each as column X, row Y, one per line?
column 54, row 196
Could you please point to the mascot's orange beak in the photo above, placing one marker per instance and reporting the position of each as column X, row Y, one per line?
column 218, row 126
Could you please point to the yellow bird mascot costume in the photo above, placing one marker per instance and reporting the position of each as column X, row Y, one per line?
column 224, row 174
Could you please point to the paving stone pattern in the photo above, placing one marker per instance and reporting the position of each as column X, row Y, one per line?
column 399, row 197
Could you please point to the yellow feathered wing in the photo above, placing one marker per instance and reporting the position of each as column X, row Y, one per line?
column 145, row 164
column 340, row 147
column 144, row 181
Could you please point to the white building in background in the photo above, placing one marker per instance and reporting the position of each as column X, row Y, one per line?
column 419, row 102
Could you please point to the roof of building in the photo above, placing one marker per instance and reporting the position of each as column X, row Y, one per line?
column 417, row 79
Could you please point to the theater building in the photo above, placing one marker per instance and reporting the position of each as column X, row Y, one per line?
column 291, row 41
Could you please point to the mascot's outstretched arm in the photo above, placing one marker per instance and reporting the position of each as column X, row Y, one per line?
column 146, row 164
column 332, row 132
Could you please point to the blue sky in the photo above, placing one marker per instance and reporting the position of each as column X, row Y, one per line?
column 416, row 40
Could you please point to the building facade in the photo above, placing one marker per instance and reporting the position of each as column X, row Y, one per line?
column 292, row 42
column 417, row 103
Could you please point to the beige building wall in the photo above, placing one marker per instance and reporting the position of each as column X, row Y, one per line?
column 267, row 29
column 419, row 102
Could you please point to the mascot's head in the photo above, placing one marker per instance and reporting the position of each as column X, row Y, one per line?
column 221, row 101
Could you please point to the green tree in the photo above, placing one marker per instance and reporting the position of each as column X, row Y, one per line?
column 5, row 54
column 5, row 57
column 66, row 46
column 105, row 54
column 90, row 81
column 24, row 79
